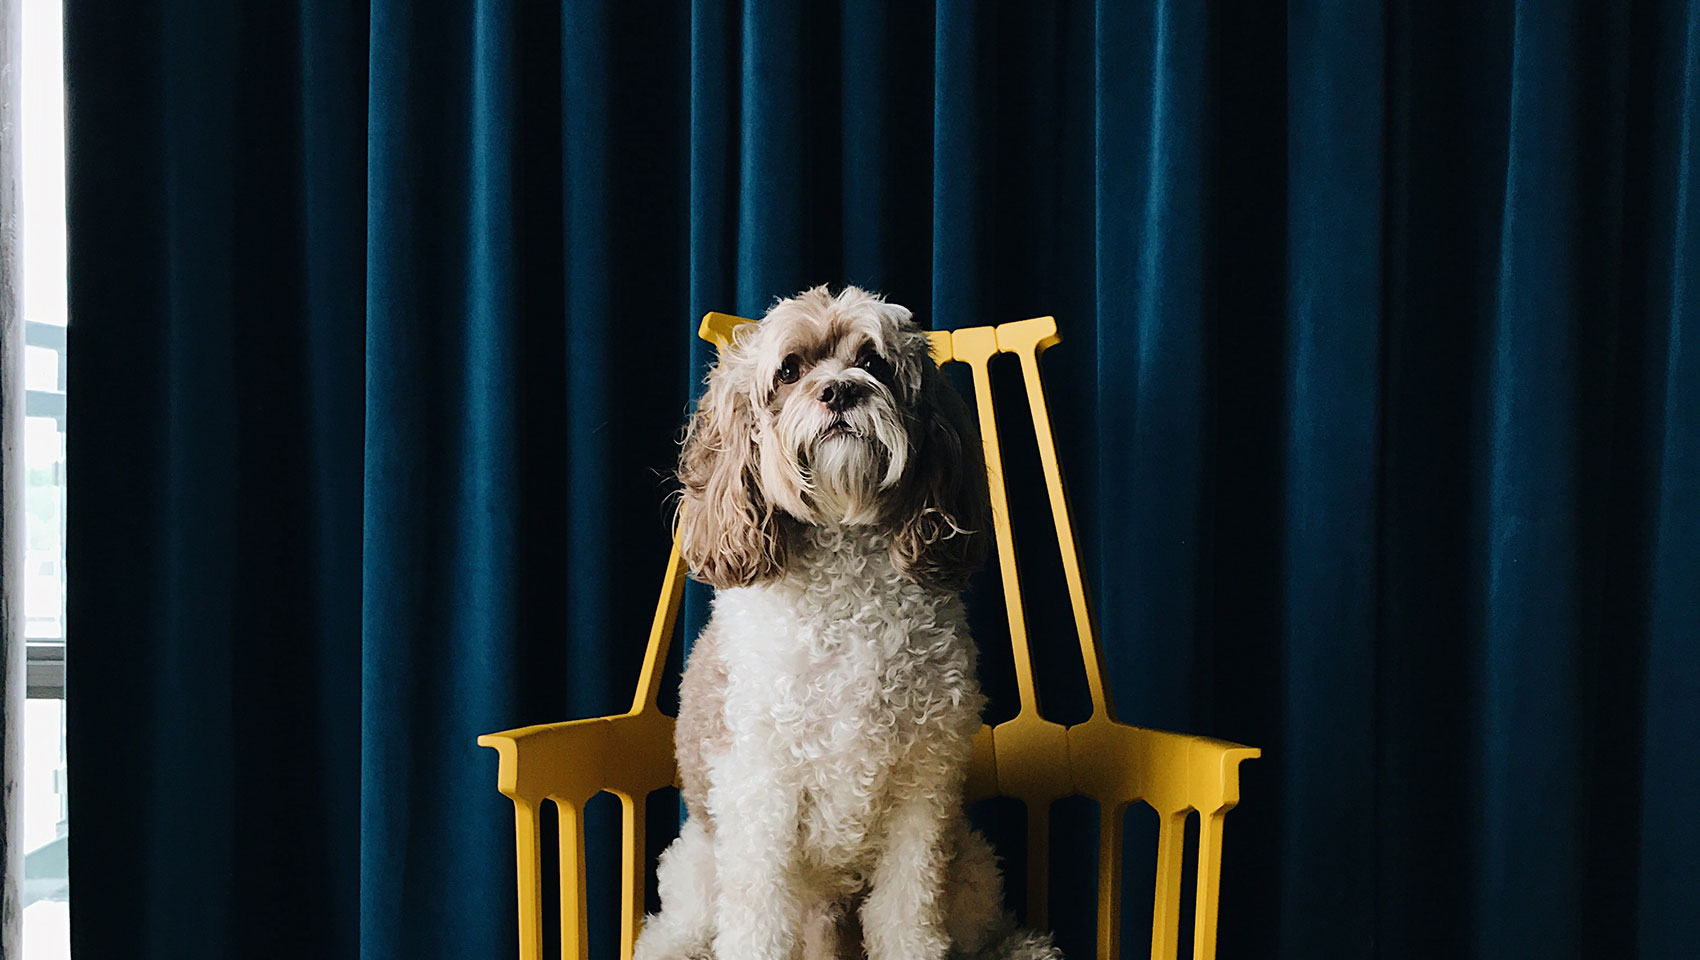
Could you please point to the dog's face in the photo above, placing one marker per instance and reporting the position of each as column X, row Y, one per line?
column 830, row 411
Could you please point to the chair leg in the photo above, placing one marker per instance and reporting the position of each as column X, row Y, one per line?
column 631, row 873
column 1110, row 880
column 1166, row 914
column 575, row 922
column 1209, row 885
column 530, row 859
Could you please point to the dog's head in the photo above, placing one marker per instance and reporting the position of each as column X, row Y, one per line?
column 831, row 412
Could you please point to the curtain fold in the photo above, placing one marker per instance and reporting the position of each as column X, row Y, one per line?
column 1527, row 517
column 1331, row 460
column 217, row 157
column 1377, row 396
column 1662, row 741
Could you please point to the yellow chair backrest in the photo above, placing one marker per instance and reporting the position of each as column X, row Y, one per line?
column 1028, row 757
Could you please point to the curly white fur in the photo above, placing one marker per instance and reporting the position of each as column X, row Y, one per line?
column 827, row 710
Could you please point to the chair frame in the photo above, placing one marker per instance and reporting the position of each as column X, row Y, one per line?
column 1027, row 757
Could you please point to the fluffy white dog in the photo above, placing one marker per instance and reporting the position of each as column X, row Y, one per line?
column 835, row 494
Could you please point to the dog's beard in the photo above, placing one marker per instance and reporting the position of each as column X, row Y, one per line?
column 844, row 471
column 843, row 464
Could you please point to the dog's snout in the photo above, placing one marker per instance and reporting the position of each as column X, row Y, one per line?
column 841, row 395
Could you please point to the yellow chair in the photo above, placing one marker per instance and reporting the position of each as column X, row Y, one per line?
column 1028, row 757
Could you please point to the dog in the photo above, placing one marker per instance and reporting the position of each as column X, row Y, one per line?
column 834, row 494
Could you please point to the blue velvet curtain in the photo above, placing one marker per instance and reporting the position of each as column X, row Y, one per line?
column 1379, row 396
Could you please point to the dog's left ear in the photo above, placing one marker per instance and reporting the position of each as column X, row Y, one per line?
column 943, row 512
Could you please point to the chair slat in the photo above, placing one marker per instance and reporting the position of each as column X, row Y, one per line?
column 1027, row 339
column 661, row 631
column 575, row 919
column 976, row 346
column 1166, row 911
column 717, row 328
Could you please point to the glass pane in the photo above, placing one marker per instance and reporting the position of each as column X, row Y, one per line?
column 44, row 526
column 46, row 887
column 41, row 368
column 43, row 163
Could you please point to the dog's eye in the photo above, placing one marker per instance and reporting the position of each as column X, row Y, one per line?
column 873, row 363
column 788, row 369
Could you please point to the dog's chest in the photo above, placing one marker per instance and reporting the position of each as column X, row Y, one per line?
column 850, row 682
column 846, row 672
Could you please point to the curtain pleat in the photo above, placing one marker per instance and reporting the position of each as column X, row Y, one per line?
column 587, row 95
column 1377, row 398
column 440, row 505
column 959, row 224
column 1331, row 464
column 1153, row 326
column 1527, row 522
column 216, row 287
column 1669, row 840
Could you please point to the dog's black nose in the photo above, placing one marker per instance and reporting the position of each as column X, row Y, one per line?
column 842, row 395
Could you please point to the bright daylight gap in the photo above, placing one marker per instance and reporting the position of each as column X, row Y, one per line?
column 46, row 890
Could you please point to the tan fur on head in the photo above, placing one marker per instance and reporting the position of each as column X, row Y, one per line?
column 768, row 446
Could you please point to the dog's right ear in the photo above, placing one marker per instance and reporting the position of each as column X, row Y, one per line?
column 729, row 534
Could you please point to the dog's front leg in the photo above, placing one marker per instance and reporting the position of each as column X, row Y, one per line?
column 755, row 842
column 903, row 917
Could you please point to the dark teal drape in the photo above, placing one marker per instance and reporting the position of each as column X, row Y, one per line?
column 1378, row 396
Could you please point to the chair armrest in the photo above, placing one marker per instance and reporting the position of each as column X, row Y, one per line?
column 629, row 754
column 1169, row 771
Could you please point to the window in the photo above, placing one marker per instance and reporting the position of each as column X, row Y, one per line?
column 45, row 827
